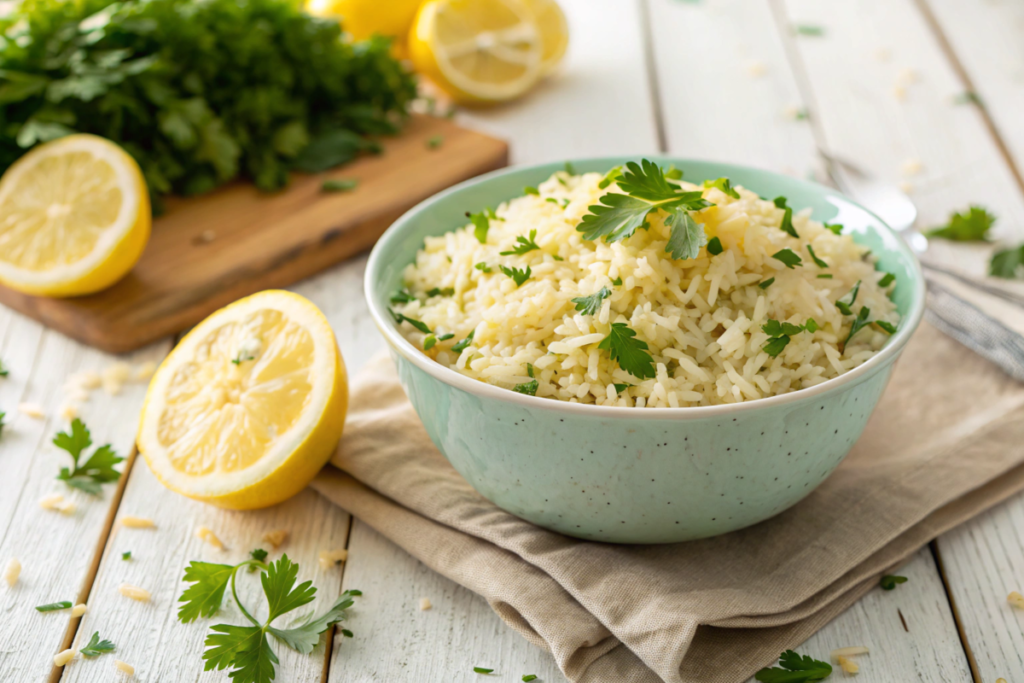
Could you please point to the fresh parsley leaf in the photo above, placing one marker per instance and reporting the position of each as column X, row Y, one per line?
column 243, row 647
column 481, row 224
column 435, row 141
column 531, row 190
column 687, row 235
column 795, row 669
column 617, row 281
column 617, row 216
column 809, row 30
column 519, row 275
column 673, row 173
column 97, row 470
column 970, row 226
column 529, row 677
column 825, row 276
column 781, row 333
column 528, row 388
column 845, row 304
column 279, row 587
column 482, row 267
column 437, row 291
column 889, row 581
column 611, row 177
column 723, row 184
column 96, row 647
column 775, row 345
column 127, row 555
column 259, row 554
column 812, row 325
column 482, row 670
column 590, row 305
column 523, row 245
column 788, row 257
column 402, row 296
column 459, row 347
column 305, row 637
column 817, row 261
column 418, row 324
column 339, row 185
column 54, row 606
column 204, row 597
column 767, row 283
column 887, row 280
column 836, row 228
column 859, row 323
column 1006, row 263
column 715, row 246
column 631, row 353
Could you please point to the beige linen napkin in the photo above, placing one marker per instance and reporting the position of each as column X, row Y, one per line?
column 943, row 445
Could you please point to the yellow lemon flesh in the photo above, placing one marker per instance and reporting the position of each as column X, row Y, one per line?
column 74, row 217
column 554, row 31
column 362, row 19
column 249, row 405
column 479, row 51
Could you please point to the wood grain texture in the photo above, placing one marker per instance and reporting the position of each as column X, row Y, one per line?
column 263, row 241
column 57, row 552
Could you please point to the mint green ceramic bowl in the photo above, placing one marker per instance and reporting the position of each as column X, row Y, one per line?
column 630, row 475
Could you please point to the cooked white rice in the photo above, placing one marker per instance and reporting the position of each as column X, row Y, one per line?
column 701, row 318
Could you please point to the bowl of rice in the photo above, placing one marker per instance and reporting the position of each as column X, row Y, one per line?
column 643, row 350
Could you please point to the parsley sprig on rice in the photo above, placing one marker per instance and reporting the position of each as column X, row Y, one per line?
column 627, row 252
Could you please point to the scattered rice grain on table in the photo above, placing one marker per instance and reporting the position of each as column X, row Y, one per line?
column 134, row 592
column 701, row 318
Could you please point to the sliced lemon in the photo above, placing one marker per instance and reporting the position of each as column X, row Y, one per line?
column 74, row 217
column 249, row 405
column 554, row 32
column 479, row 51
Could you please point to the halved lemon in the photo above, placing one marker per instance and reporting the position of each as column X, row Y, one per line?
column 554, row 32
column 74, row 217
column 479, row 51
column 249, row 405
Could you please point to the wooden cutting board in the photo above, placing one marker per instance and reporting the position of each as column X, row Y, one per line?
column 207, row 251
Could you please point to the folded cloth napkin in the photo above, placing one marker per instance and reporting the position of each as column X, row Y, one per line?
column 943, row 445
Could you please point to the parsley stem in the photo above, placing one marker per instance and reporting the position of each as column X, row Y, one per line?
column 234, row 572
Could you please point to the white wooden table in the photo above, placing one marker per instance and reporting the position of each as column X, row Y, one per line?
column 718, row 79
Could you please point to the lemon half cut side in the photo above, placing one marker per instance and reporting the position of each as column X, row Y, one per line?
column 249, row 406
column 74, row 217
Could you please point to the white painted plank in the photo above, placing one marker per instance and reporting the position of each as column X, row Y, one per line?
column 926, row 649
column 598, row 104
column 726, row 86
column 988, row 40
column 56, row 551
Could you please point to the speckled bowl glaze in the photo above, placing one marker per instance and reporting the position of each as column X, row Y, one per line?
column 629, row 475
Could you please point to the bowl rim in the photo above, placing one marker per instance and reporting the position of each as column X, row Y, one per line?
column 405, row 348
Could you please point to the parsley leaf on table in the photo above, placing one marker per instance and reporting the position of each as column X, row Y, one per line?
column 971, row 226
column 203, row 598
column 631, row 353
column 788, row 257
column 2, row 416
column 338, row 185
column 725, row 185
column 482, row 670
column 617, row 216
column 305, row 636
column 54, row 606
column 889, row 581
column 590, row 305
column 519, row 275
column 127, row 555
column 97, row 470
column 96, row 647
column 523, row 245
column 795, row 669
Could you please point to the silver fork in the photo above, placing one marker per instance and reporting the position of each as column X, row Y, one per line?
column 955, row 316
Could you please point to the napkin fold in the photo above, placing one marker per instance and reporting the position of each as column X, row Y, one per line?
column 942, row 446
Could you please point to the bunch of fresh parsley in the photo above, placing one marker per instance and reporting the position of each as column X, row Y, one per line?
column 246, row 649
column 96, row 470
column 198, row 91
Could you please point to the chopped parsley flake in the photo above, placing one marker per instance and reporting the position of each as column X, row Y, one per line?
column 673, row 173
column 590, row 305
column 781, row 333
column 54, row 606
column 435, row 141
column 528, row 388
column 447, row 291
column 887, row 280
column 968, row 97
column 481, row 224
column 339, row 185
column 482, row 267
column 715, row 246
column 809, row 30
column 886, row 327
column 619, row 388
column 482, row 670
column 631, row 353
column 724, row 185
column 519, row 275
column 618, row 216
column 787, row 217
column 836, row 228
column 529, row 677
column 970, row 226
column 570, row 169
column 402, row 296
column 825, row 276
column 418, row 324
column 767, row 283
column 845, row 304
column 126, row 555
column 459, row 347
column 531, row 190
column 3, row 370
column 788, row 257
column 889, row 581
column 817, row 261
column 617, row 281
column 859, row 323
column 523, row 245
column 795, row 669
